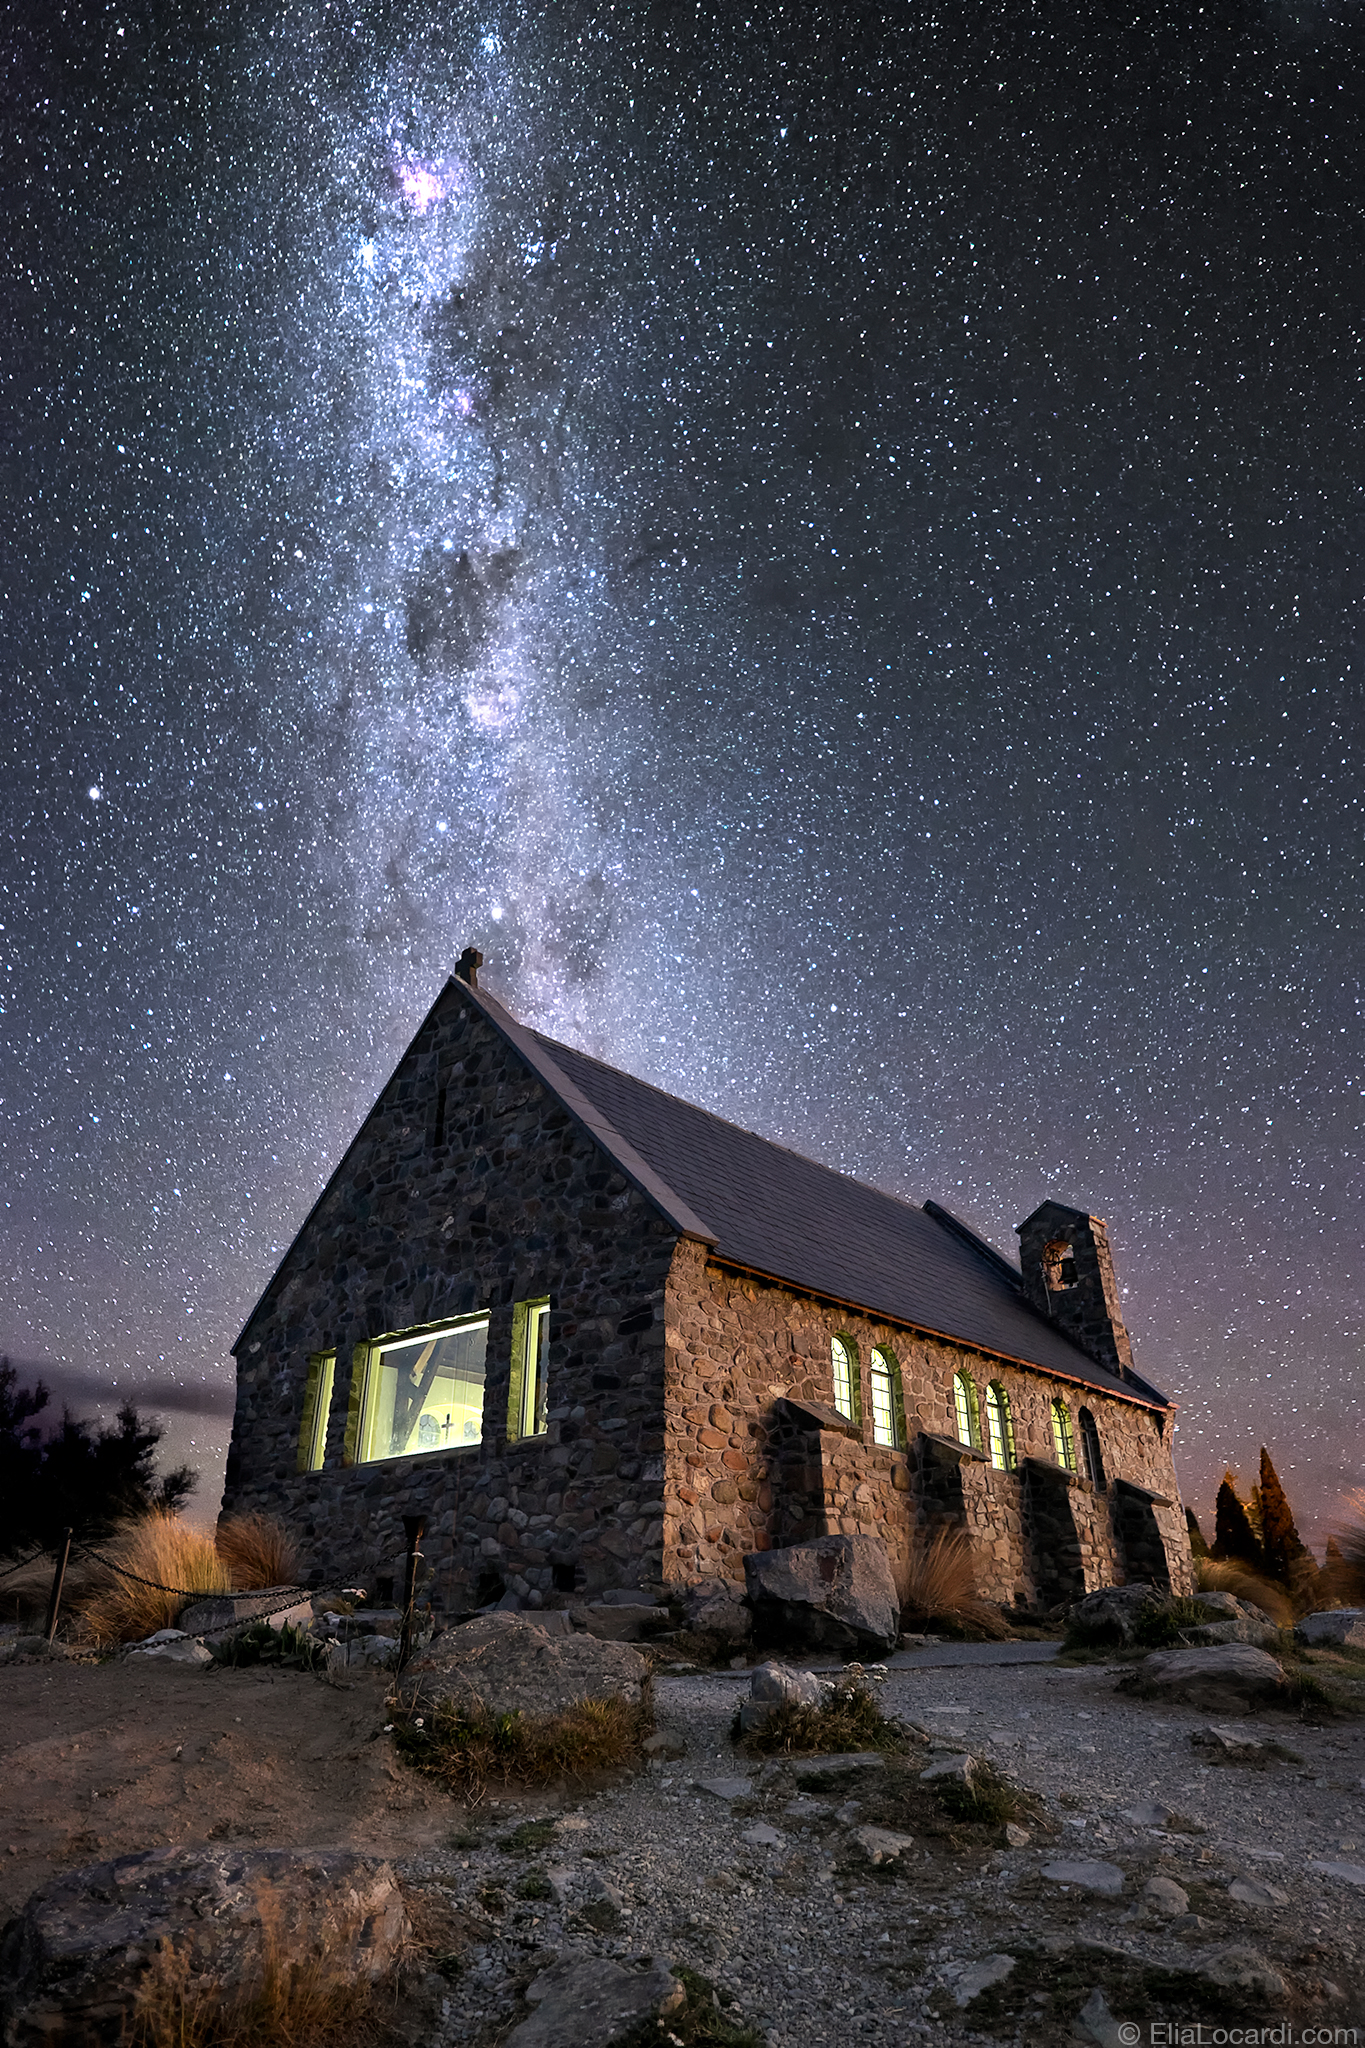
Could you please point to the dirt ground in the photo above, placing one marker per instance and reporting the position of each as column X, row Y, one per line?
column 101, row 1760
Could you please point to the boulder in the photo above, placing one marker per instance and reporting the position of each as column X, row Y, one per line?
column 1244, row 1970
column 72, row 1963
column 1263, row 1634
column 719, row 1609
column 1229, row 1742
column 1087, row 1874
column 171, row 1646
column 1347, row 1873
column 837, row 1773
column 1228, row 1678
column 951, row 1770
column 1256, row 1891
column 615, row 1622
column 1111, row 1613
column 836, row 1593
column 221, row 1611
column 776, row 1685
column 1165, row 1898
column 1332, row 1627
column 977, row 1977
column 509, row 1663
column 881, row 1845
column 587, row 2001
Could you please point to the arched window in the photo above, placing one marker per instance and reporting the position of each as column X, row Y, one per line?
column 999, row 1428
column 1092, row 1464
column 968, row 1411
column 843, row 1354
column 1062, row 1441
column 885, row 1376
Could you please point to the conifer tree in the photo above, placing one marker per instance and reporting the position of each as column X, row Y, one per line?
column 1198, row 1547
column 1233, row 1535
column 1285, row 1553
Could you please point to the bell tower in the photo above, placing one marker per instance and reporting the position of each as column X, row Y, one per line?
column 1069, row 1277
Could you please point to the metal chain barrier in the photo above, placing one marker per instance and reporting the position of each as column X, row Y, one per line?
column 24, row 1562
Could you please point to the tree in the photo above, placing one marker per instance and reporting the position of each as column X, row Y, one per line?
column 80, row 1475
column 1287, row 1558
column 1233, row 1535
column 1198, row 1547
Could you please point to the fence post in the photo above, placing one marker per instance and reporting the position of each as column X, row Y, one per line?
column 58, row 1581
column 414, row 1527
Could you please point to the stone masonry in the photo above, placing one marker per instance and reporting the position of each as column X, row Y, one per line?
column 690, row 1409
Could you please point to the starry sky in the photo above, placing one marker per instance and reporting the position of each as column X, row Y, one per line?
column 824, row 539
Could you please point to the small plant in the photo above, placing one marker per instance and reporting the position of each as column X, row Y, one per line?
column 988, row 1801
column 941, row 1586
column 159, row 1551
column 257, row 1551
column 259, row 1643
column 703, row 2021
column 466, row 1746
column 290, row 2005
column 535, row 1885
column 528, row 1836
column 1160, row 1628
column 463, row 1838
column 850, row 1718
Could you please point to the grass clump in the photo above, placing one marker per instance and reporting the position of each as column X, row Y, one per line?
column 1230, row 1575
column 528, row 1836
column 1160, row 1628
column 850, row 1718
column 940, row 1588
column 988, row 1801
column 290, row 2005
column 704, row 2021
column 535, row 1885
column 292, row 1649
column 159, row 1548
column 257, row 1551
column 466, row 1746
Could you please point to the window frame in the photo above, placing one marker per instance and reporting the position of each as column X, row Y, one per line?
column 889, row 1369
column 966, row 1397
column 317, row 1410
column 999, row 1429
column 840, row 1341
column 1092, row 1451
column 528, row 1385
column 1063, row 1435
column 366, row 1384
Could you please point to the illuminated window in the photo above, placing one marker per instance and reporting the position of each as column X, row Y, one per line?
column 1092, row 1464
column 886, row 1402
column 527, row 1395
column 968, row 1411
column 1062, row 1441
column 999, row 1428
column 423, row 1393
column 844, row 1360
column 317, row 1407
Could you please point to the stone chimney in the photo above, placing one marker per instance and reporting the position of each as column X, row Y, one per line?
column 1069, row 1276
column 468, row 965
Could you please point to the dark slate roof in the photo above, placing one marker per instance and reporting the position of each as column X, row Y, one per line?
column 770, row 1210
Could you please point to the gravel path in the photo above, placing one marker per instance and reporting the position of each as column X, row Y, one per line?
column 762, row 1893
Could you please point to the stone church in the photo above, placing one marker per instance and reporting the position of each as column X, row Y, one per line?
column 602, row 1339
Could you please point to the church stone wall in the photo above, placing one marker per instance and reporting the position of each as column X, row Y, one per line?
column 514, row 1202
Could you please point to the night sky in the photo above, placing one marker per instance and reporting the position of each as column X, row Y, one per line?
column 825, row 540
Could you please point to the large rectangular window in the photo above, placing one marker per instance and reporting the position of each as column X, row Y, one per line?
column 528, row 1393
column 317, row 1407
column 424, row 1393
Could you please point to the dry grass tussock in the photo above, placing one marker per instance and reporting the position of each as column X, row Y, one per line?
column 848, row 1718
column 466, row 1747
column 942, row 1585
column 290, row 2005
column 160, row 1548
column 257, row 1550
column 1226, row 1575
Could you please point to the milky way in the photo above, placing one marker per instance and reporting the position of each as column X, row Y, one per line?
column 826, row 542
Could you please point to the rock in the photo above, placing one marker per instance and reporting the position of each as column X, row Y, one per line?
column 1146, row 1814
column 1243, row 1969
column 218, row 1612
column 71, row 1964
column 1225, row 1604
column 802, row 1808
column 833, row 1773
column 663, row 1746
column 508, row 1662
column 371, row 1653
column 626, row 1596
column 774, row 1685
column 585, row 2002
column 881, row 1845
column 1111, row 1613
column 1254, row 1891
column 1097, row 2023
column 761, row 1836
column 1228, row 1741
column 15, row 1647
column 951, row 1770
column 836, row 1593
column 1231, row 1677
column 1349, row 1873
column 979, row 1976
column 724, row 1788
column 1331, row 1627
column 718, row 1608
column 1264, row 1635
column 617, row 1623
column 848, row 1812
column 171, row 1646
column 1164, row 1897
column 1087, row 1875
column 1015, row 1836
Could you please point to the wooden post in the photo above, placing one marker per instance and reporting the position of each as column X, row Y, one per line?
column 413, row 1528
column 58, row 1581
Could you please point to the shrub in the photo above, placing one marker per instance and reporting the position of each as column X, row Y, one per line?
column 257, row 1551
column 941, row 1585
column 259, row 1643
column 1159, row 1628
column 1230, row 1575
column 296, row 2005
column 163, row 1551
column 849, row 1719
column 989, row 1800
column 465, row 1746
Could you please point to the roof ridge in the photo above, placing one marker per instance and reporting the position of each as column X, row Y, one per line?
column 729, row 1124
